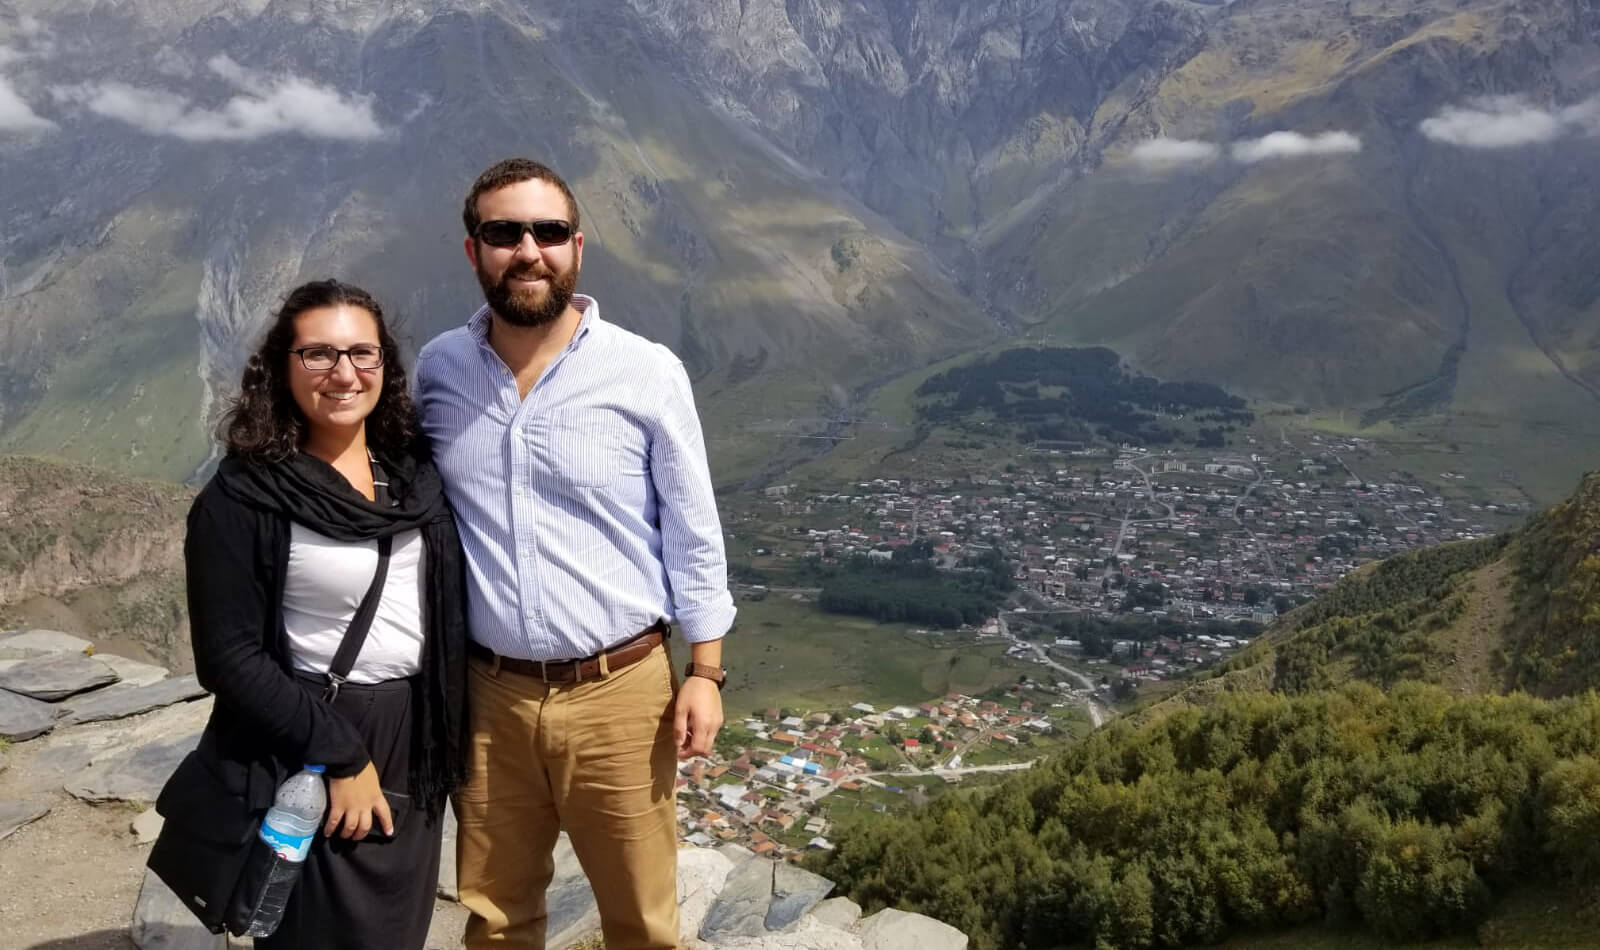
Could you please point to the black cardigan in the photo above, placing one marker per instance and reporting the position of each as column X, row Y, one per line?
column 265, row 724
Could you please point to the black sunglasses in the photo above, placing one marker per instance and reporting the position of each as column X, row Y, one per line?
column 548, row 232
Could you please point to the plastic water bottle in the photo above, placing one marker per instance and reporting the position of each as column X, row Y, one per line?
column 289, row 828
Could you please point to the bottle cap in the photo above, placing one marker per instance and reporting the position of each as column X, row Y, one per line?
column 315, row 768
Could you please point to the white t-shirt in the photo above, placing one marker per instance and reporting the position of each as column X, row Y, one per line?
column 326, row 582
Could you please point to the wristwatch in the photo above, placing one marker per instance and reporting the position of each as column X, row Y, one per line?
column 715, row 674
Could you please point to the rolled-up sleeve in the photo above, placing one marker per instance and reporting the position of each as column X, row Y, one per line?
column 692, row 549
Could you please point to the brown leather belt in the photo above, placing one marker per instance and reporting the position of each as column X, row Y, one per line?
column 628, row 652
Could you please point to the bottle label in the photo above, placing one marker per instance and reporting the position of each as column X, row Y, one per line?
column 290, row 847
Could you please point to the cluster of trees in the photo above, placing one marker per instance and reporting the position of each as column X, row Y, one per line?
column 1071, row 394
column 1380, row 618
column 909, row 588
column 1554, row 639
column 1406, row 812
column 1150, row 596
column 1430, row 573
column 1097, row 634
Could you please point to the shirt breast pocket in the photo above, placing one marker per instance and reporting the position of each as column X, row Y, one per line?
column 592, row 448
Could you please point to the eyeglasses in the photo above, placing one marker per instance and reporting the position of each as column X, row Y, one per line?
column 320, row 359
column 548, row 232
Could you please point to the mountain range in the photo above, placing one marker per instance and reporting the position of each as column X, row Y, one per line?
column 1371, row 207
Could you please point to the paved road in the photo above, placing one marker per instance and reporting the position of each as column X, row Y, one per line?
column 1128, row 520
column 1097, row 714
column 1266, row 555
column 964, row 770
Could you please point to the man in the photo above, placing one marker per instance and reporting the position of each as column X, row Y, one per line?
column 573, row 457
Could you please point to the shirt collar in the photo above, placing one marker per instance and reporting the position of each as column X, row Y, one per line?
column 478, row 324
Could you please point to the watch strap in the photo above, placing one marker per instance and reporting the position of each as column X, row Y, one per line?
column 715, row 674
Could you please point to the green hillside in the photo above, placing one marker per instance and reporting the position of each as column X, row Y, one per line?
column 1519, row 611
column 1411, row 757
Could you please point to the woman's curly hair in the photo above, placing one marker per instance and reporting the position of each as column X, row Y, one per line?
column 264, row 423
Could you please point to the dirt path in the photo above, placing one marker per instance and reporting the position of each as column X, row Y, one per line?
column 68, row 881
column 1470, row 643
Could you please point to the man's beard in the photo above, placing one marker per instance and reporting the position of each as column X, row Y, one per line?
column 526, row 308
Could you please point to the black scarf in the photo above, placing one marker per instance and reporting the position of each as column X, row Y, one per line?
column 306, row 489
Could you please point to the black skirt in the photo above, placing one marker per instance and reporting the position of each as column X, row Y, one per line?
column 378, row 893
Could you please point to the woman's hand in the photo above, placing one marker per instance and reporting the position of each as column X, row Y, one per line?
column 358, row 803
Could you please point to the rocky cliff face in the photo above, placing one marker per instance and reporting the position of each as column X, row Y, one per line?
column 218, row 153
column 97, row 552
column 1377, row 204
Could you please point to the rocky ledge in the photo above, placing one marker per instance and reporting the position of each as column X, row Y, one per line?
column 108, row 731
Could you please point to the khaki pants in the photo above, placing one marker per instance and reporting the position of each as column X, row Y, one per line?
column 595, row 758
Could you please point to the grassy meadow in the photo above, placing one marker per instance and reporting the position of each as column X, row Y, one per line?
column 787, row 653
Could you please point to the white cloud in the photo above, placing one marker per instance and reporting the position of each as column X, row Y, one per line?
column 1294, row 145
column 1510, row 122
column 9, row 56
column 153, row 110
column 267, row 105
column 16, row 115
column 1165, row 153
column 1501, row 122
column 224, row 66
column 1583, row 117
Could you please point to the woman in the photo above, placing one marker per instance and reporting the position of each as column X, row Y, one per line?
column 324, row 458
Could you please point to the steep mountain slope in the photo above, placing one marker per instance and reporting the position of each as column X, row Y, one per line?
column 1553, row 632
column 767, row 280
column 1520, row 611
column 95, row 553
column 1402, row 276
column 807, row 197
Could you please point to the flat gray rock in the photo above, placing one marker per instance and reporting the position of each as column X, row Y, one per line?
column 57, row 676
column 132, row 672
column 447, row 859
column 22, row 718
column 161, row 922
column 701, row 875
column 741, row 909
column 58, row 759
column 762, row 896
column 570, row 901
column 735, row 852
column 21, row 644
column 840, row 912
column 14, row 815
column 891, row 929
column 119, row 701
column 132, row 775
column 794, row 891
column 147, row 826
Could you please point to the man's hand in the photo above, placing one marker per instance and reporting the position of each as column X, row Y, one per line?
column 357, row 803
column 698, row 717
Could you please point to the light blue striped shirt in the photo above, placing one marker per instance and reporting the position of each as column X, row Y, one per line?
column 586, row 509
